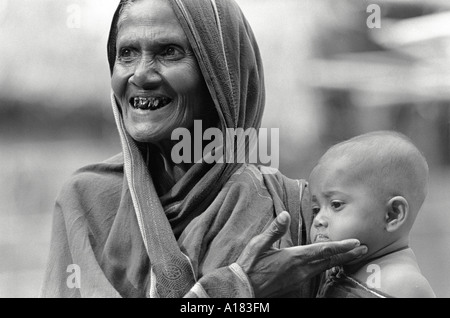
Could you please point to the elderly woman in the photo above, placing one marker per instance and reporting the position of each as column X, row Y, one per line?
column 141, row 225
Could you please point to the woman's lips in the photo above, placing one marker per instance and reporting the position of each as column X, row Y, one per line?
column 149, row 103
column 321, row 238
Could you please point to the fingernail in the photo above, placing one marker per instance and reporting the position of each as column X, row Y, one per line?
column 357, row 243
column 363, row 249
column 283, row 217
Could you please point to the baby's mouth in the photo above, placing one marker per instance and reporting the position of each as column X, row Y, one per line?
column 149, row 103
column 321, row 238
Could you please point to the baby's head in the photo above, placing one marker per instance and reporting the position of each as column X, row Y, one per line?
column 371, row 188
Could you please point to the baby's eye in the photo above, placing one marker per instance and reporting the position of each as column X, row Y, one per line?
column 337, row 205
column 315, row 210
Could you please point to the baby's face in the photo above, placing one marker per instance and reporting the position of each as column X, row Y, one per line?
column 344, row 207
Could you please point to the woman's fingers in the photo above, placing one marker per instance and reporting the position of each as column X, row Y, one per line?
column 344, row 258
column 264, row 241
column 274, row 232
column 337, row 253
column 313, row 259
column 322, row 265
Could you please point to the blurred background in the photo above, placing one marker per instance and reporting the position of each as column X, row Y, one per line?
column 333, row 69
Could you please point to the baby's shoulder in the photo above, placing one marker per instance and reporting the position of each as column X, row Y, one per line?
column 396, row 274
column 405, row 281
column 401, row 276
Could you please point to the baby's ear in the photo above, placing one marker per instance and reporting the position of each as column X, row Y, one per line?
column 397, row 213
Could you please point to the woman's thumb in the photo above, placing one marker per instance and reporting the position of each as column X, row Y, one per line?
column 264, row 241
column 276, row 230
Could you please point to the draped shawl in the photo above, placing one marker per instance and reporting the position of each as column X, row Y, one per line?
column 113, row 236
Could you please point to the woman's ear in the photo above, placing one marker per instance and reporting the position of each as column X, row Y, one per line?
column 397, row 213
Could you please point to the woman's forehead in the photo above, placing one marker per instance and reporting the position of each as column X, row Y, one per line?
column 153, row 21
column 153, row 13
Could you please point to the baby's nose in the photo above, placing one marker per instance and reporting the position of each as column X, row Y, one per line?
column 320, row 220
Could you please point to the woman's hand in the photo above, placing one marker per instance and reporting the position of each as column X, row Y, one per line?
column 275, row 272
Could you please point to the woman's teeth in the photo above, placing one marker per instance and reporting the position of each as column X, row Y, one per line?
column 152, row 103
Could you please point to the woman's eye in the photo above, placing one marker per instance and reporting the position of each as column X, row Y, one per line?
column 337, row 205
column 172, row 53
column 126, row 54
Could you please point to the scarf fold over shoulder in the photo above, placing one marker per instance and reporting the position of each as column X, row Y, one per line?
column 114, row 237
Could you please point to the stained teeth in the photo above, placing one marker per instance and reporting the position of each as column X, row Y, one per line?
column 149, row 103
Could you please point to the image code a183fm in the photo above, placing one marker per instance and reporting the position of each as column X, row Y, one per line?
column 231, row 307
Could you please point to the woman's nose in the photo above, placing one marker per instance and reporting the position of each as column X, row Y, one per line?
column 146, row 76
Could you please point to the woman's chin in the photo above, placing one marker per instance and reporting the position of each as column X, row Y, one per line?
column 150, row 138
column 146, row 134
column 149, row 131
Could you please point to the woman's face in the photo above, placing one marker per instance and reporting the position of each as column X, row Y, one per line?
column 156, row 77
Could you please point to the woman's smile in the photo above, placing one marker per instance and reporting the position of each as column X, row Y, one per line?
column 150, row 103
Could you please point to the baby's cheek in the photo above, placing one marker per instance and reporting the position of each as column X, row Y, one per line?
column 312, row 234
column 339, row 232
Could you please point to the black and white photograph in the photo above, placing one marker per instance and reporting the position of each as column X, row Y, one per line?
column 224, row 149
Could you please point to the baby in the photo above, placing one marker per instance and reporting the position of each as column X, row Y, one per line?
column 371, row 188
